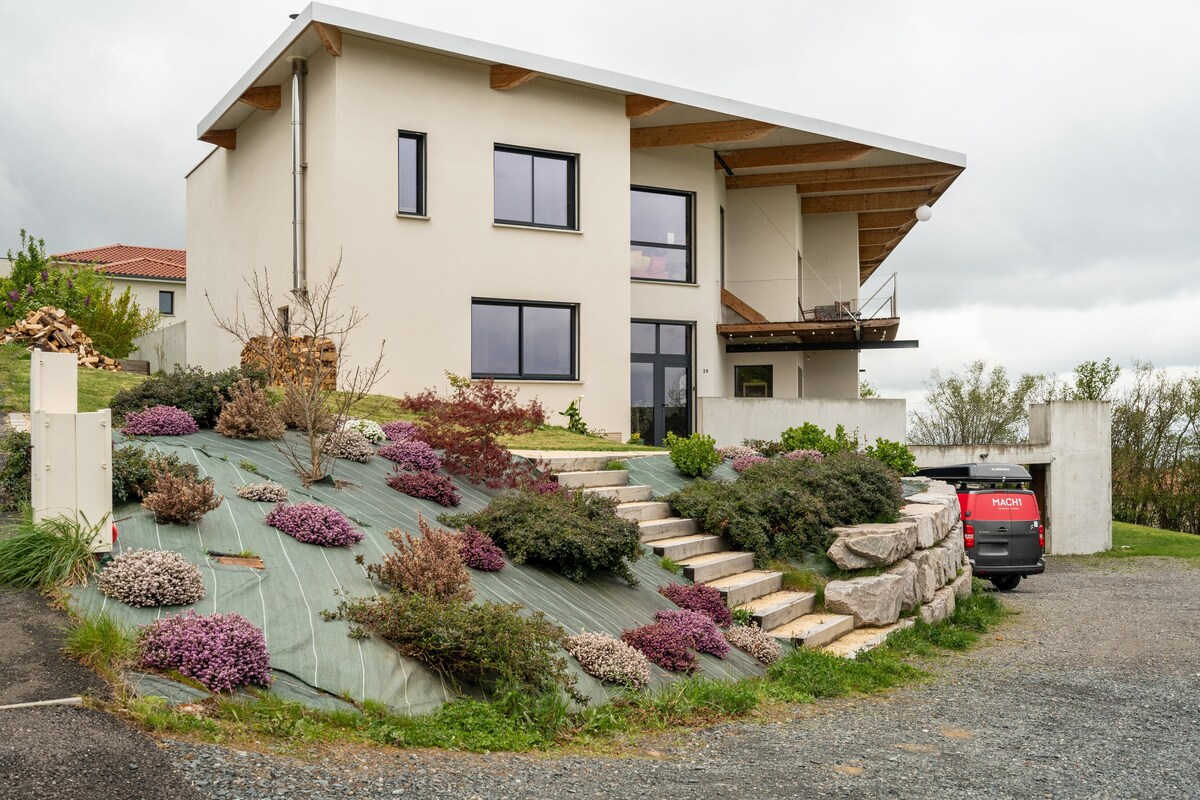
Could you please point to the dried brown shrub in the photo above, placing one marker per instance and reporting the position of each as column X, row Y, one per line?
column 431, row 565
column 248, row 414
column 178, row 500
column 295, row 409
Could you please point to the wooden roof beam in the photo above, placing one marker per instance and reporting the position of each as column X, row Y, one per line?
column 737, row 130
column 793, row 155
column 226, row 138
column 639, row 105
column 264, row 98
column 881, row 201
column 505, row 77
column 887, row 219
column 836, row 180
column 331, row 38
column 880, row 236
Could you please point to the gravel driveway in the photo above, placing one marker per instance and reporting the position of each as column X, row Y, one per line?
column 1093, row 691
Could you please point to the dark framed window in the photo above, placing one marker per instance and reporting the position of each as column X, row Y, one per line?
column 166, row 303
column 535, row 187
column 410, row 173
column 754, row 381
column 523, row 341
column 660, row 235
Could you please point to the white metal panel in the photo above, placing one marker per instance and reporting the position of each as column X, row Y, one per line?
column 93, row 474
column 53, row 465
column 54, row 382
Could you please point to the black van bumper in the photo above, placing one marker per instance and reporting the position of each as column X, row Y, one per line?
column 983, row 571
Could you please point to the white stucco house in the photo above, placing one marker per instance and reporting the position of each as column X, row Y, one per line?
column 565, row 229
column 155, row 276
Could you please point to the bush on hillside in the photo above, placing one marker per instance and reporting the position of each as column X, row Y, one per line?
column 813, row 437
column 764, row 447
column 734, row 451
column 401, row 431
column 665, row 645
column 151, row 578
column 743, row 463
column 180, row 500
column 704, row 636
column 894, row 455
column 15, row 465
column 313, row 523
column 197, row 392
column 700, row 598
column 412, row 455
column 248, row 414
column 221, row 651
column 347, row 444
column 755, row 641
column 425, row 485
column 574, row 534
column 369, row 428
column 695, row 456
column 266, row 492
column 609, row 659
column 479, row 551
column 134, row 467
column 159, row 421
column 303, row 414
column 431, row 565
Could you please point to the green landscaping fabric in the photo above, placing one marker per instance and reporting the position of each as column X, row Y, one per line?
column 657, row 472
column 302, row 580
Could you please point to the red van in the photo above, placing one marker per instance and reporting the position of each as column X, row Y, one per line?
column 1003, row 532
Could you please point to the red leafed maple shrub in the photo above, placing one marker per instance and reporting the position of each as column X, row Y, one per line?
column 465, row 426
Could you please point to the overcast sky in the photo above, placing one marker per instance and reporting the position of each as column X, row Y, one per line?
column 1070, row 236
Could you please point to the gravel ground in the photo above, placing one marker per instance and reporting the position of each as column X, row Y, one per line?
column 1093, row 691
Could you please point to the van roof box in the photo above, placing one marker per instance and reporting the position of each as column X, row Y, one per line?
column 978, row 472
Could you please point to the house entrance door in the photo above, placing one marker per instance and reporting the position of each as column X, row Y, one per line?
column 660, row 380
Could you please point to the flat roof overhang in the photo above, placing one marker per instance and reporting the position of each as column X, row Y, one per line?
column 767, row 337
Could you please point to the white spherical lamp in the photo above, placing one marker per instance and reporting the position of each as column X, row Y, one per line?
column 924, row 213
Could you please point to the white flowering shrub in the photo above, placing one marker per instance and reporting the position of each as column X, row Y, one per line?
column 263, row 492
column 347, row 444
column 755, row 641
column 148, row 578
column 370, row 429
column 609, row 659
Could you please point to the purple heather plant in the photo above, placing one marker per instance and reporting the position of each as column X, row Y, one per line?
column 743, row 463
column 401, row 431
column 698, row 628
column 701, row 598
column 221, row 651
column 412, row 455
column 313, row 523
column 425, row 486
column 805, row 455
column 665, row 645
column 160, row 421
column 479, row 551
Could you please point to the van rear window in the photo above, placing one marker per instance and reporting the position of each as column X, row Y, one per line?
column 1000, row 505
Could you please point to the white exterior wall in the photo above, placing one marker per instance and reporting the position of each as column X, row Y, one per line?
column 145, row 292
column 729, row 420
column 830, row 273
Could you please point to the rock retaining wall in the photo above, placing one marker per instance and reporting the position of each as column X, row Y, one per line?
column 926, row 566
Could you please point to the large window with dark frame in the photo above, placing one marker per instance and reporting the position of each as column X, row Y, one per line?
column 523, row 341
column 410, row 174
column 535, row 187
column 660, row 233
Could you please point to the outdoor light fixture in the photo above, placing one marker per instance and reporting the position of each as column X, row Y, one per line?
column 924, row 213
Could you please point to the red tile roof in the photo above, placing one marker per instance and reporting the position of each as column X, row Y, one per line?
column 128, row 261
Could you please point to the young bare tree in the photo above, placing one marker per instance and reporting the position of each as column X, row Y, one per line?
column 300, row 339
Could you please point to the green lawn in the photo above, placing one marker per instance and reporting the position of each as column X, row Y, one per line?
column 1143, row 541
column 96, row 386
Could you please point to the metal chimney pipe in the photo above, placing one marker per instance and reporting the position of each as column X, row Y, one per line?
column 299, row 265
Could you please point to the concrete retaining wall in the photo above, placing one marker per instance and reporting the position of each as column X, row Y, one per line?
column 729, row 420
column 163, row 348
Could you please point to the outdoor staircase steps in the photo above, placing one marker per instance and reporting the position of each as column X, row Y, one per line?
column 682, row 547
column 710, row 566
column 668, row 528
column 743, row 587
column 861, row 640
column 814, row 630
column 623, row 494
column 644, row 510
column 600, row 477
column 778, row 608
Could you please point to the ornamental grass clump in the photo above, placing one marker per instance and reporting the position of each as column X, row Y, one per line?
column 609, row 659
column 412, row 454
column 313, row 523
column 347, row 444
column 698, row 597
column 705, row 637
column 248, row 414
column 401, row 431
column 369, row 428
column 221, row 651
column 425, row 486
column 151, row 578
column 51, row 552
column 755, row 641
column 159, row 421
column 479, row 551
column 431, row 565
column 664, row 645
column 180, row 500
column 743, row 463
column 266, row 492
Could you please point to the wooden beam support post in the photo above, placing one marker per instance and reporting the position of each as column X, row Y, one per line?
column 737, row 130
column 639, row 105
column 506, row 77
column 792, row 155
column 264, row 98
column 226, row 138
column 331, row 38
column 740, row 307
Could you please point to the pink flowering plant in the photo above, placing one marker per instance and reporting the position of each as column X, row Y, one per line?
column 665, row 645
column 755, row 641
column 732, row 451
column 221, row 651
column 704, row 636
column 698, row 597
column 805, row 455
column 425, row 485
column 160, row 421
column 479, row 551
column 401, row 431
column 313, row 523
column 412, row 455
column 743, row 463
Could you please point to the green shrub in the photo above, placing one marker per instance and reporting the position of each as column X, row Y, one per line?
column 52, row 552
column 574, row 533
column 133, row 471
column 489, row 645
column 894, row 455
column 696, row 456
column 197, row 392
column 812, row 437
column 113, row 323
column 14, row 470
column 765, row 448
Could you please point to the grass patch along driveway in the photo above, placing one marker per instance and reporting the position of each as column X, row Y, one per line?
column 1138, row 540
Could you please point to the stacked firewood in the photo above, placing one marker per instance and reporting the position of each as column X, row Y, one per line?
column 294, row 359
column 51, row 329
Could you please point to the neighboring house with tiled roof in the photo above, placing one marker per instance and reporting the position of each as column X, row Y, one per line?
column 157, row 276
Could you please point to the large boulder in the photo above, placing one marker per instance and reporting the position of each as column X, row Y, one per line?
column 933, row 521
column 928, row 574
column 940, row 607
column 907, row 570
column 873, row 545
column 874, row 600
column 961, row 586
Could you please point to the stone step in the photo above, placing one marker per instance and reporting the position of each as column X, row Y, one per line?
column 600, row 477
column 644, row 510
column 623, row 494
column 775, row 609
column 656, row 529
column 746, row 586
column 571, row 460
column 814, row 630
column 680, row 547
column 860, row 640
column 710, row 566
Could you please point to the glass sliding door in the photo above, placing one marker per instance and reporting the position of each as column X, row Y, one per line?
column 660, row 380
